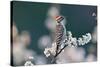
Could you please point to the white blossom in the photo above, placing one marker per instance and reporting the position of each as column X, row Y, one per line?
column 80, row 41
column 47, row 52
column 50, row 51
column 74, row 42
column 69, row 33
column 85, row 39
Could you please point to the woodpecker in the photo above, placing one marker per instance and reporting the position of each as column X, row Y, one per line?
column 60, row 30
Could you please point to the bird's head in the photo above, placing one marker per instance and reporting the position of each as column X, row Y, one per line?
column 59, row 19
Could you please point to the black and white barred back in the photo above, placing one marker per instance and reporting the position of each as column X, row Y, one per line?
column 59, row 30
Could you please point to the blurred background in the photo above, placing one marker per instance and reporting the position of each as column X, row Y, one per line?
column 33, row 29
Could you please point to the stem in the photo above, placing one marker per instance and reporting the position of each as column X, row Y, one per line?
column 54, row 58
column 61, row 50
